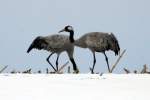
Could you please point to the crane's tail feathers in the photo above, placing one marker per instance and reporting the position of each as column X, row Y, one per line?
column 30, row 48
column 38, row 43
column 116, row 47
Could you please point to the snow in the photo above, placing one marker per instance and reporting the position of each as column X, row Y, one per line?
column 74, row 87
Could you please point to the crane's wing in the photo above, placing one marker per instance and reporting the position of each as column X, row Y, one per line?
column 57, row 41
column 97, row 39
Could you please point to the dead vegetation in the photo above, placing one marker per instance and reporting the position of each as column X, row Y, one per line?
column 144, row 69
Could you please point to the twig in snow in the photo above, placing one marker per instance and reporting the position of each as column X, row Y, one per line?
column 120, row 56
column 69, row 69
column 135, row 71
column 27, row 71
column 144, row 70
column 62, row 67
column 126, row 70
column 3, row 68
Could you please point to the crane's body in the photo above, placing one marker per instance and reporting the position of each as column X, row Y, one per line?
column 96, row 42
column 58, row 43
column 55, row 44
column 99, row 42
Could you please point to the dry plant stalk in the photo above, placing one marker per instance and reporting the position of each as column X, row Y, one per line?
column 27, row 71
column 69, row 69
column 120, row 56
column 62, row 67
column 126, row 70
column 144, row 70
column 135, row 71
column 3, row 69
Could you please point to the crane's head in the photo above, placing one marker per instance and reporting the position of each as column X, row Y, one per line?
column 38, row 43
column 67, row 28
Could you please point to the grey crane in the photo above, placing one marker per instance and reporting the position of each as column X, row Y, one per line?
column 96, row 42
column 55, row 44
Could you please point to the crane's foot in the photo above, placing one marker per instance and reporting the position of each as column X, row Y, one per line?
column 92, row 71
column 76, row 71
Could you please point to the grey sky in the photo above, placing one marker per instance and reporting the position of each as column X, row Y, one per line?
column 22, row 20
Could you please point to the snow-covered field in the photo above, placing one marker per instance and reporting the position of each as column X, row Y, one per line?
column 74, row 87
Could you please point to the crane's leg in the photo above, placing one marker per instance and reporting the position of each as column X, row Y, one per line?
column 74, row 65
column 50, row 62
column 57, row 62
column 70, row 55
column 94, row 61
column 106, row 58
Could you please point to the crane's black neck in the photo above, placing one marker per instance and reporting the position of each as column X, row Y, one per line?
column 71, row 36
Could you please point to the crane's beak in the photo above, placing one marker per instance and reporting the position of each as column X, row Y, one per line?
column 61, row 30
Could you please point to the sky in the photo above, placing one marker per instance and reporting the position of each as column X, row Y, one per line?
column 23, row 20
